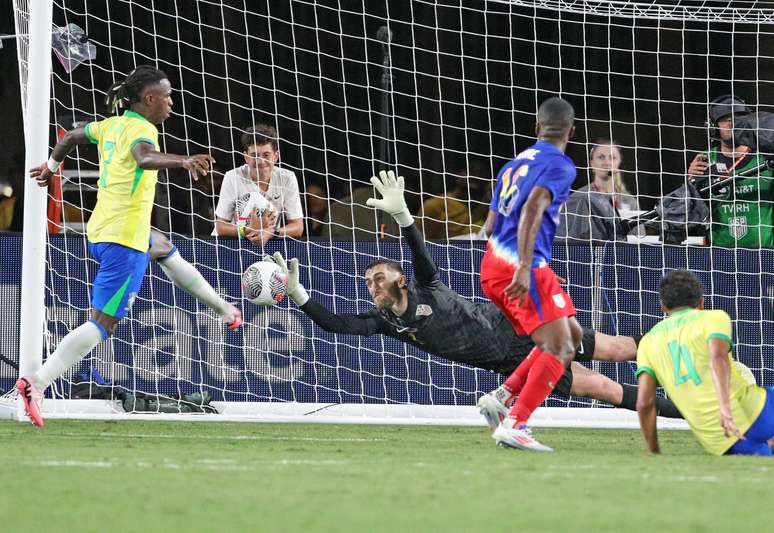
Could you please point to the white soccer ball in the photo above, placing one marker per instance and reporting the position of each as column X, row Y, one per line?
column 264, row 283
column 745, row 372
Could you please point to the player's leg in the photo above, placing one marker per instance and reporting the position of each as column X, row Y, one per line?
column 184, row 275
column 560, row 337
column 589, row 384
column 118, row 281
column 608, row 347
column 555, row 344
column 758, row 436
column 495, row 405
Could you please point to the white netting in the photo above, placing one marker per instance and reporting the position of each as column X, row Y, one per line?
column 446, row 92
column 22, row 20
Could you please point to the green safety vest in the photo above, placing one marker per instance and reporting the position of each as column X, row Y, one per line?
column 743, row 212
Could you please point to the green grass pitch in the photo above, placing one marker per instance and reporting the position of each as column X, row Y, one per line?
column 168, row 476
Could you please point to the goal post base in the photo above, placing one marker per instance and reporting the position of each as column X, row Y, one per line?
column 435, row 415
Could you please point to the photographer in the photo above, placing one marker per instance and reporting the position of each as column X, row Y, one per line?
column 742, row 212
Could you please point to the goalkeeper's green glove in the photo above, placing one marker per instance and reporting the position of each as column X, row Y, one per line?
column 392, row 201
column 296, row 291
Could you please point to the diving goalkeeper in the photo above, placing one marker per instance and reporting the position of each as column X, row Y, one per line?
column 427, row 314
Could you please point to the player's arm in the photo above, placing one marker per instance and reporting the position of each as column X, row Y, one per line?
column 646, row 410
column 362, row 324
column 294, row 228
column 529, row 225
column 394, row 203
column 721, row 377
column 149, row 158
column 43, row 173
column 491, row 219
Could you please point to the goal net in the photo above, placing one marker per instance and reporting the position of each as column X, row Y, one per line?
column 443, row 92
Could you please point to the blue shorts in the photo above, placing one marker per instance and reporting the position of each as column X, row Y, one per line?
column 755, row 442
column 119, row 277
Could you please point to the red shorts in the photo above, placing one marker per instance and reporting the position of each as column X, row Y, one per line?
column 546, row 301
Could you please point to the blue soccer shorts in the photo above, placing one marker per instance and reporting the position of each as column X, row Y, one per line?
column 755, row 441
column 119, row 277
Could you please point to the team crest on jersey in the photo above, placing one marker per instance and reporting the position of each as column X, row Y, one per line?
column 424, row 310
column 721, row 167
column 559, row 300
column 737, row 227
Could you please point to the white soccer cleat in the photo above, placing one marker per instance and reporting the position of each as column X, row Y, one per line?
column 232, row 318
column 492, row 409
column 520, row 437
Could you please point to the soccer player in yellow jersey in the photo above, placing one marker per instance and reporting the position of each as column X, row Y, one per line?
column 119, row 230
column 689, row 355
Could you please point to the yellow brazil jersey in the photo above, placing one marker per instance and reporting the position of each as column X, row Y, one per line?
column 676, row 353
column 125, row 191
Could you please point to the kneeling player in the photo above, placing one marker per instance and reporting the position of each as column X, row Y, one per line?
column 689, row 355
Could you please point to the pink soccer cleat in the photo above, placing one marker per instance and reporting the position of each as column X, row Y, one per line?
column 32, row 399
column 233, row 318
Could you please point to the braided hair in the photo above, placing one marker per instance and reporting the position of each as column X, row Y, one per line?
column 122, row 94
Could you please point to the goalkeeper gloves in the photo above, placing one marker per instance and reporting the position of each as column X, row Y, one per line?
column 296, row 291
column 392, row 201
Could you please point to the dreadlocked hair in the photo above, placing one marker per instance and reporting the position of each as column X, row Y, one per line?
column 122, row 94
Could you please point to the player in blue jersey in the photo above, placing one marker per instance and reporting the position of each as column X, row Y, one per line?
column 516, row 277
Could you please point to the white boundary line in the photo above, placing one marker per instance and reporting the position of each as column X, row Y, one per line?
column 558, row 417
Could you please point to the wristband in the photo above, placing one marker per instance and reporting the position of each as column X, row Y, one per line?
column 53, row 165
column 241, row 231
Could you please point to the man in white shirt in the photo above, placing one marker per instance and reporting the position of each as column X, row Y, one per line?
column 281, row 214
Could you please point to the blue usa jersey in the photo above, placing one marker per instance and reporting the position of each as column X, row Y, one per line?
column 541, row 165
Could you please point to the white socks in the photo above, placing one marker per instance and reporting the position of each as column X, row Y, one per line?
column 72, row 348
column 184, row 275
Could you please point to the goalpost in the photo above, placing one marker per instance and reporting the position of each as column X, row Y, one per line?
column 445, row 93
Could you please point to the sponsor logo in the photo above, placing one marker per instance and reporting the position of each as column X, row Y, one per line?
column 737, row 227
column 559, row 300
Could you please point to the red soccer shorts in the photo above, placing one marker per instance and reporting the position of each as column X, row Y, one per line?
column 546, row 301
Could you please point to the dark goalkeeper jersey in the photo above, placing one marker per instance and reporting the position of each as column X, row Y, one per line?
column 439, row 321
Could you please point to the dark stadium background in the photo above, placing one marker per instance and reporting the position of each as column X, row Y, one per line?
column 315, row 72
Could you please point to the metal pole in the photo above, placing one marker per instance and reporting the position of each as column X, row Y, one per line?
column 36, row 135
column 387, row 225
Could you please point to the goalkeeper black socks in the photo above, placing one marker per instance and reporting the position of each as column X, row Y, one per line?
column 629, row 400
column 664, row 406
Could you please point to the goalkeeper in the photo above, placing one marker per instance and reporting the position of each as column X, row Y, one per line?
column 429, row 315
column 119, row 230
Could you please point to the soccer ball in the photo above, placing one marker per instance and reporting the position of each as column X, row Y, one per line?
column 745, row 372
column 264, row 283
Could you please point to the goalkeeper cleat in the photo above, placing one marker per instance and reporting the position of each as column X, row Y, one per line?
column 33, row 399
column 510, row 435
column 492, row 409
column 233, row 318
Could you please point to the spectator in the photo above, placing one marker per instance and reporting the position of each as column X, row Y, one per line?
column 461, row 211
column 7, row 203
column 259, row 174
column 317, row 223
column 592, row 212
column 741, row 214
